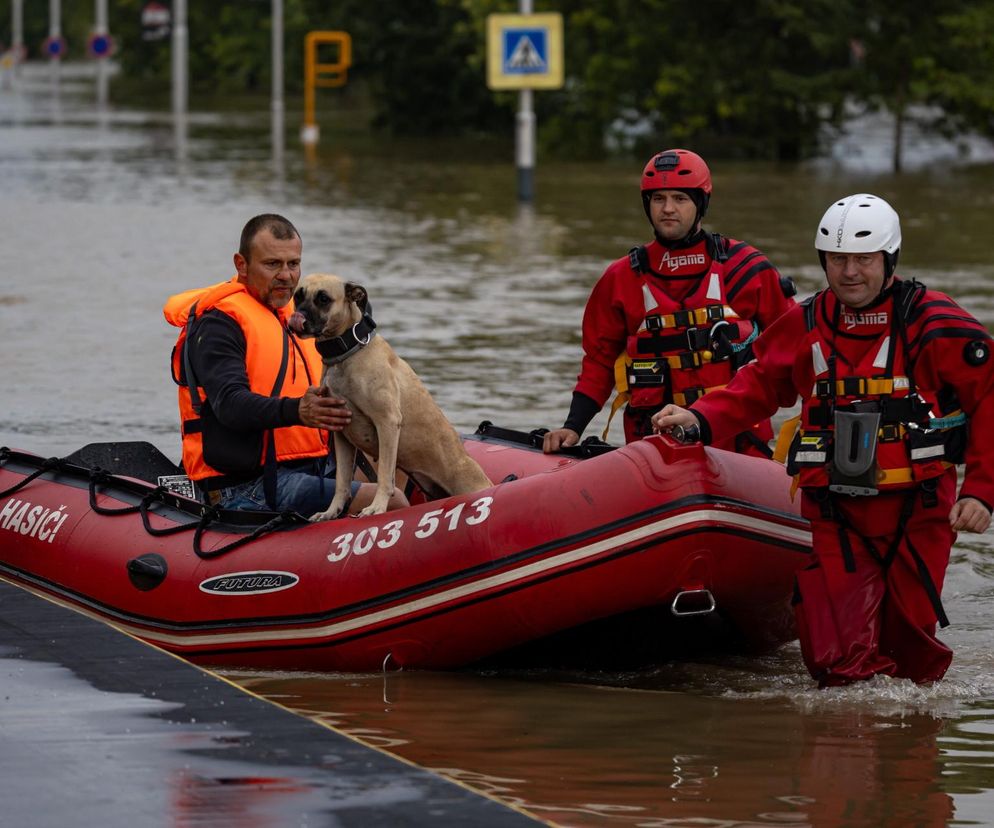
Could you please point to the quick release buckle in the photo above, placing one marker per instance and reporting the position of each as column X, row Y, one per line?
column 691, row 359
column 853, row 386
column 698, row 339
column 692, row 394
column 890, row 432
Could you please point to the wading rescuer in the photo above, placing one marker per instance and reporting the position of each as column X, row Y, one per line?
column 675, row 318
column 897, row 387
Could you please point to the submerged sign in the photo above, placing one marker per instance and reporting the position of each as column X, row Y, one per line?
column 524, row 51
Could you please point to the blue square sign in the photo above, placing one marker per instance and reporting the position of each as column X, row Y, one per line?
column 526, row 51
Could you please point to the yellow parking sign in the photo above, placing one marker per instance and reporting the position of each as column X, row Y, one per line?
column 525, row 51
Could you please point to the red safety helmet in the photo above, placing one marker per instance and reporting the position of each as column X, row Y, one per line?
column 678, row 169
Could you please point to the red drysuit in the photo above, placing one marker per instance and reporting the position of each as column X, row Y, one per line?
column 662, row 308
column 869, row 603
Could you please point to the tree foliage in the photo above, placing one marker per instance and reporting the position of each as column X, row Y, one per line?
column 931, row 64
column 760, row 79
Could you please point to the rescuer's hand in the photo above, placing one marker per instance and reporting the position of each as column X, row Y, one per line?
column 560, row 438
column 671, row 415
column 969, row 515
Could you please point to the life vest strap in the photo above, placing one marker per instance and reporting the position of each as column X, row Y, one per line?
column 785, row 437
column 860, row 386
column 690, row 395
column 690, row 317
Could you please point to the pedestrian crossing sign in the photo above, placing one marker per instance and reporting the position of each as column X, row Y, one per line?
column 524, row 51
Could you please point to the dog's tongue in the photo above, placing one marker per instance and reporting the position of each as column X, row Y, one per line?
column 296, row 322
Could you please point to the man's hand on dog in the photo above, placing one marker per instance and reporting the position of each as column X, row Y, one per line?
column 318, row 409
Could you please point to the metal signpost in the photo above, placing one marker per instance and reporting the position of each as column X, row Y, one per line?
column 55, row 44
column 179, row 58
column 322, row 74
column 525, row 52
column 277, row 103
column 100, row 46
column 17, row 35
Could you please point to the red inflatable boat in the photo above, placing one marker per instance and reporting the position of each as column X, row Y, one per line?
column 563, row 543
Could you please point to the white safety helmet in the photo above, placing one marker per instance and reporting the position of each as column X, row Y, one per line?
column 861, row 223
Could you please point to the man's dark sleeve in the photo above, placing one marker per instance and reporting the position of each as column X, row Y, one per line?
column 581, row 411
column 217, row 353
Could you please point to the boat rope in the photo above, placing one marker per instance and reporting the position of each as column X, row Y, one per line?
column 210, row 514
column 158, row 494
column 52, row 463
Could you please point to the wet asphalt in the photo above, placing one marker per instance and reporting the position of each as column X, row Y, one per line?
column 99, row 728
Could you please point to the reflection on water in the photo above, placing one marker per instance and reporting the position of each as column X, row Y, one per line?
column 105, row 214
column 160, row 772
column 582, row 755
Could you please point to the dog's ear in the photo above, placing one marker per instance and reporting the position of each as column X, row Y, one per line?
column 356, row 293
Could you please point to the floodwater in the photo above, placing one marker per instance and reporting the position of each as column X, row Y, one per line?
column 103, row 214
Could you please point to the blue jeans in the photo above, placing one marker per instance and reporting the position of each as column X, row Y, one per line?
column 304, row 491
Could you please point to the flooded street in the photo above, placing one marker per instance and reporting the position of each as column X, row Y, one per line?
column 106, row 214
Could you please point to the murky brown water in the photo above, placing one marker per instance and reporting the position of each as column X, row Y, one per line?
column 104, row 215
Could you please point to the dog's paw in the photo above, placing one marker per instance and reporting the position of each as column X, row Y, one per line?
column 372, row 509
column 317, row 517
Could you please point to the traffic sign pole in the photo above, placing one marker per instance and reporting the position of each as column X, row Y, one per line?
column 278, row 117
column 17, row 34
column 54, row 36
column 101, row 39
column 179, row 59
column 524, row 144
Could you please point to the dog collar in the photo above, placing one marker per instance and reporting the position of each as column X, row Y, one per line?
column 337, row 348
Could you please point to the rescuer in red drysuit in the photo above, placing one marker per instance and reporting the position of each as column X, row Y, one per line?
column 673, row 319
column 897, row 386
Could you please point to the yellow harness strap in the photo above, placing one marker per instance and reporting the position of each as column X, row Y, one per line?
column 785, row 438
column 876, row 386
column 887, row 477
column 621, row 384
column 681, row 399
column 698, row 316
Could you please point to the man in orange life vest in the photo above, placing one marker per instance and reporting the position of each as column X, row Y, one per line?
column 253, row 417
column 673, row 319
column 890, row 374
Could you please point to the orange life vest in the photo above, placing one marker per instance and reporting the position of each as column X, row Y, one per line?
column 272, row 371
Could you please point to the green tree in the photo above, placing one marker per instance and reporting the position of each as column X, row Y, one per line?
column 422, row 62
column 928, row 64
column 754, row 79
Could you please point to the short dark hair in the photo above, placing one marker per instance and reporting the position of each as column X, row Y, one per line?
column 280, row 227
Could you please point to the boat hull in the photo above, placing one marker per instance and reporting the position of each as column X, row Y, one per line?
column 562, row 542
